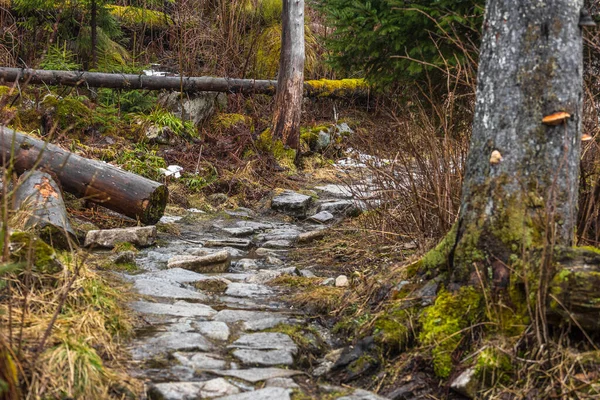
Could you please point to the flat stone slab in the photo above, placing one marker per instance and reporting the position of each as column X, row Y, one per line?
column 216, row 330
column 277, row 244
column 287, row 383
column 246, row 264
column 339, row 207
column 238, row 289
column 339, row 191
column 266, row 341
column 201, row 360
column 308, row 237
column 172, row 341
column 279, row 234
column 141, row 236
column 291, row 203
column 237, row 243
column 254, row 375
column 240, row 231
column 257, row 226
column 360, row 394
column 156, row 288
column 192, row 390
column 233, row 316
column 266, row 275
column 270, row 393
column 215, row 262
column 322, row 217
column 264, row 358
column 179, row 308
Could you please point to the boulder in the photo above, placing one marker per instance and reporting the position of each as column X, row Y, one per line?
column 214, row 262
column 196, row 108
column 292, row 203
column 142, row 236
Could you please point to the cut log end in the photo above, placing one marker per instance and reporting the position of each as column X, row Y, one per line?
column 154, row 207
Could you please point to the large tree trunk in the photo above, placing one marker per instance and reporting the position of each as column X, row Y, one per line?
column 288, row 100
column 101, row 183
column 344, row 88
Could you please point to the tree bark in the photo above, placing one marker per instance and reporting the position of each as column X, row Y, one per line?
column 101, row 183
column 94, row 29
column 520, row 186
column 38, row 196
column 288, row 100
column 344, row 88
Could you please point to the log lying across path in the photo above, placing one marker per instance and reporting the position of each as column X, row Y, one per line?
column 104, row 184
column 318, row 88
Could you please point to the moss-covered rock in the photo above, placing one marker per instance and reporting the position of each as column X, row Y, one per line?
column 284, row 155
column 27, row 247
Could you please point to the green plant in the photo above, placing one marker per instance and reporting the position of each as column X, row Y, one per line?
column 60, row 58
column 142, row 160
column 163, row 118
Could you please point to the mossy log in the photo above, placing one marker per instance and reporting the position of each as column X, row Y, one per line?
column 574, row 295
column 317, row 88
column 104, row 184
column 38, row 199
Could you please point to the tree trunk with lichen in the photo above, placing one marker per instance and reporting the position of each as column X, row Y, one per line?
column 288, row 100
column 520, row 189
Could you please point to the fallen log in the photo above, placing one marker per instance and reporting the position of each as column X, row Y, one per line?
column 316, row 88
column 39, row 200
column 99, row 182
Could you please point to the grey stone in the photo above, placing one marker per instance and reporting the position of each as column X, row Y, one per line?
column 322, row 217
column 273, row 260
column 192, row 390
column 246, row 264
column 277, row 244
column 179, row 275
column 428, row 292
column 287, row 383
column 339, row 191
column 264, row 323
column 307, row 273
column 200, row 360
column 238, row 289
column 342, row 281
column 156, row 288
column 233, row 316
column 196, row 108
column 266, row 341
column 141, row 236
column 264, row 358
column 173, row 341
column 270, row 393
column 237, row 243
column 279, row 234
column 310, row 236
column 241, row 231
column 218, row 198
column 467, row 383
column 262, row 252
column 265, row 275
column 179, row 308
column 216, row 330
column 160, row 135
column 257, row 226
column 328, row 282
column 125, row 257
column 323, row 140
column 215, row 262
column 258, row 374
column 340, row 207
column 291, row 203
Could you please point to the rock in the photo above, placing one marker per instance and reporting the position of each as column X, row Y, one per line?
column 179, row 308
column 215, row 262
column 246, row 264
column 264, row 358
column 273, row 260
column 179, row 275
column 342, row 281
column 160, row 135
column 192, row 390
column 264, row 323
column 262, row 252
column 142, row 236
column 237, row 243
column 327, row 363
column 328, row 282
column 243, row 231
column 251, row 320
column 270, row 393
column 308, row 237
column 340, row 207
column 266, row 341
column 125, row 257
column 323, row 141
column 428, row 292
column 280, row 234
column 254, row 375
column 277, row 244
column 266, row 275
column 287, row 383
column 291, row 203
column 467, row 383
column 200, row 360
column 196, row 108
column 172, row 341
column 237, row 289
column 216, row 330
column 217, row 199
column 156, row 288
column 307, row 273
column 257, row 226
column 322, row 217
column 339, row 191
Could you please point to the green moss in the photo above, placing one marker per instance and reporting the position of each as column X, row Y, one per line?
column 124, row 246
column 210, row 285
column 443, row 323
column 226, row 121
column 284, row 155
column 493, row 367
column 438, row 257
column 340, row 88
column 137, row 17
column 4, row 90
column 267, row 11
column 392, row 329
column 70, row 112
column 27, row 246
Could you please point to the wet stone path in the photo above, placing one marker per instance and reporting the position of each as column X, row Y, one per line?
column 206, row 304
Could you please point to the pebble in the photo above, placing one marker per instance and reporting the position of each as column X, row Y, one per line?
column 342, row 281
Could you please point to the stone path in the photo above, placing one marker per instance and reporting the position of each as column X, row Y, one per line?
column 206, row 304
